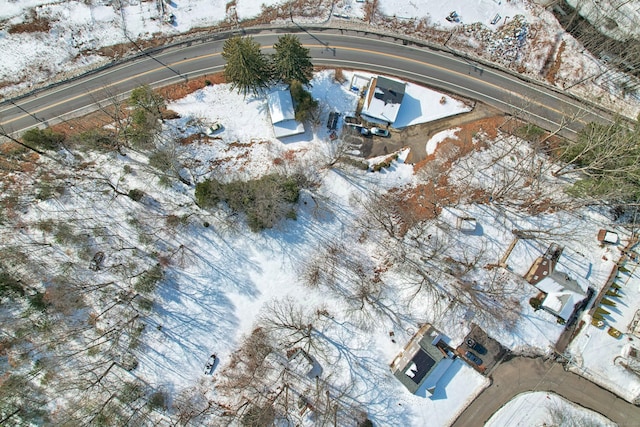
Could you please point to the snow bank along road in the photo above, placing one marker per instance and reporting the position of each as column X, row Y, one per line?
column 522, row 374
column 328, row 47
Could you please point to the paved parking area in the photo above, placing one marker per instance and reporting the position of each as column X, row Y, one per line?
column 495, row 352
column 414, row 137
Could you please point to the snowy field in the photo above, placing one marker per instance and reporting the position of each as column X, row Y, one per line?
column 223, row 281
column 544, row 409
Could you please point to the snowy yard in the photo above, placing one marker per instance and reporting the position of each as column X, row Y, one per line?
column 607, row 360
column 541, row 408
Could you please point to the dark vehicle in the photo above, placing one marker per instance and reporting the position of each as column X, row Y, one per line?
column 211, row 363
column 332, row 123
column 477, row 347
column 475, row 359
column 380, row 132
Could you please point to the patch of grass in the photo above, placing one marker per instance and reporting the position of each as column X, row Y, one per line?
column 530, row 132
column 45, row 139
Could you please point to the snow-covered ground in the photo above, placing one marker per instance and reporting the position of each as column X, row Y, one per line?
column 607, row 360
column 222, row 277
column 266, row 265
column 544, row 409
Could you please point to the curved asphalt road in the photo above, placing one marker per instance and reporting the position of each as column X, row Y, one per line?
column 329, row 47
column 522, row 374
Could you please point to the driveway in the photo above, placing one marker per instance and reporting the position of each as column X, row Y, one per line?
column 522, row 374
column 416, row 137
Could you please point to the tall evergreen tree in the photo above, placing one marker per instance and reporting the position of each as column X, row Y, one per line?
column 247, row 69
column 291, row 60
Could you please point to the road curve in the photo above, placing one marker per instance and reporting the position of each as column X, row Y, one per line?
column 522, row 374
column 328, row 47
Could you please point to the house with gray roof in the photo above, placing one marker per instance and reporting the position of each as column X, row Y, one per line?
column 423, row 362
column 383, row 99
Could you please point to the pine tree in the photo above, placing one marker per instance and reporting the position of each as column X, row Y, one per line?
column 303, row 102
column 291, row 60
column 247, row 69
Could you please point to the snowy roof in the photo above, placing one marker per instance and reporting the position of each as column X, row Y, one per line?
column 280, row 106
column 383, row 99
column 282, row 114
column 421, row 363
column 607, row 236
column 561, row 297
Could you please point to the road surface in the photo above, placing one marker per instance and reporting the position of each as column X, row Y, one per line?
column 522, row 374
column 328, row 47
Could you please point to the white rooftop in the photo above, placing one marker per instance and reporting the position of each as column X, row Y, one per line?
column 282, row 114
column 559, row 300
column 384, row 99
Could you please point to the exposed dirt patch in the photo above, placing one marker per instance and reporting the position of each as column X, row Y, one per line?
column 182, row 89
column 553, row 70
column 95, row 120
column 34, row 24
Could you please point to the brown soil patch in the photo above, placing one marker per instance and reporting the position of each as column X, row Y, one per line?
column 463, row 145
column 182, row 89
column 95, row 120
column 34, row 24
column 553, row 71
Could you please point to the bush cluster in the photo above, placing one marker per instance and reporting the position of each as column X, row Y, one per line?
column 264, row 201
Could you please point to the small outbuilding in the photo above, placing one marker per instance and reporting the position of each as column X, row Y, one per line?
column 283, row 117
column 605, row 236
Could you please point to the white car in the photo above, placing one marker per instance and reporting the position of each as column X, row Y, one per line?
column 380, row 132
column 211, row 364
column 213, row 128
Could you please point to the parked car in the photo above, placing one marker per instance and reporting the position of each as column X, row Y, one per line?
column 475, row 346
column 475, row 359
column 211, row 363
column 214, row 128
column 365, row 132
column 380, row 132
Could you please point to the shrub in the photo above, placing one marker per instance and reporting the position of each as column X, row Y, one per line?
column 9, row 286
column 608, row 302
column 535, row 303
column 149, row 279
column 264, row 201
column 96, row 139
column 157, row 400
column 43, row 138
column 38, row 302
column 135, row 194
column 303, row 102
